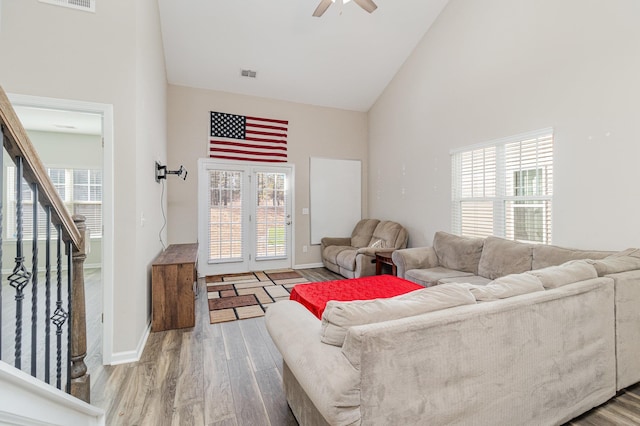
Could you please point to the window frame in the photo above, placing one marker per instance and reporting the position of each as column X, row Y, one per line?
column 480, row 184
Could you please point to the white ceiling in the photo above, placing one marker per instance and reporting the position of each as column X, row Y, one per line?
column 60, row 121
column 344, row 59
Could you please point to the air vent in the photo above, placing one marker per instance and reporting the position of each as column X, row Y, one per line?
column 86, row 5
column 248, row 73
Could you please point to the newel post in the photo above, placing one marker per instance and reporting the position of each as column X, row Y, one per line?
column 80, row 384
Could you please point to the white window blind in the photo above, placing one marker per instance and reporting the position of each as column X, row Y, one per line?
column 225, row 215
column 504, row 188
column 79, row 189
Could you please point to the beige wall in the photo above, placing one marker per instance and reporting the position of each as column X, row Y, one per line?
column 114, row 57
column 313, row 132
column 497, row 68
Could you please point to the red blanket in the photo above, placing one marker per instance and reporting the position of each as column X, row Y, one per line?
column 315, row 296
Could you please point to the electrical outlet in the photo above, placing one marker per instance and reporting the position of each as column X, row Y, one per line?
column 305, row 210
column 304, row 249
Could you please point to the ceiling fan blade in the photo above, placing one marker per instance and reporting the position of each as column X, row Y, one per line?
column 367, row 5
column 322, row 7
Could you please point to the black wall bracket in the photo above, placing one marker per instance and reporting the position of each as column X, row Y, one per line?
column 162, row 172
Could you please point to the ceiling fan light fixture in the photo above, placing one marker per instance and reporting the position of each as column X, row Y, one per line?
column 367, row 5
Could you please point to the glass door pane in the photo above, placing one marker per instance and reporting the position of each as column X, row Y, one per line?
column 272, row 216
column 225, row 216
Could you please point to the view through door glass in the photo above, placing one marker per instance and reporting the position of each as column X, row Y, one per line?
column 272, row 217
column 225, row 215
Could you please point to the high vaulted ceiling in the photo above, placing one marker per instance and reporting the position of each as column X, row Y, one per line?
column 344, row 59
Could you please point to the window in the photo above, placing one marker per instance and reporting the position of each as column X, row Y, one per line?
column 87, row 198
column 79, row 189
column 504, row 188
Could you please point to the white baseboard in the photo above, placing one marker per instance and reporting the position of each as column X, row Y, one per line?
column 132, row 356
column 309, row 266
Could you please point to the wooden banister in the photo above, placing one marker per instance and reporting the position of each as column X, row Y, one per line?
column 72, row 231
column 18, row 144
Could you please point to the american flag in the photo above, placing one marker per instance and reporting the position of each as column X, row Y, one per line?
column 237, row 137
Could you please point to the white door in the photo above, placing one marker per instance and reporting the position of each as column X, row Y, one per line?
column 244, row 217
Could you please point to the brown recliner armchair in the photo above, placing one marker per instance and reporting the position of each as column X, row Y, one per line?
column 353, row 257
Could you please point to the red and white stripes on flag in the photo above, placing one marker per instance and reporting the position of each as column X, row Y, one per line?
column 237, row 137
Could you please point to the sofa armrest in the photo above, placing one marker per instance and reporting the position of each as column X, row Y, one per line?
column 414, row 258
column 371, row 251
column 328, row 378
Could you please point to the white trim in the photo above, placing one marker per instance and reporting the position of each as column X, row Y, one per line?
column 505, row 140
column 20, row 393
column 106, row 110
column 309, row 265
column 132, row 356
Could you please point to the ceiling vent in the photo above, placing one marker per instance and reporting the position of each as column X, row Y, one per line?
column 86, row 5
column 248, row 73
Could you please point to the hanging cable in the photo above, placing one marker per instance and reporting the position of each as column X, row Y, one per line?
column 164, row 216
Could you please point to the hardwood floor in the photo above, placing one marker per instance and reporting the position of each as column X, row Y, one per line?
column 231, row 373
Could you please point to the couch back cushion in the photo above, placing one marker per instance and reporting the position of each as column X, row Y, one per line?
column 627, row 260
column 338, row 317
column 545, row 255
column 502, row 257
column 458, row 253
column 567, row 273
column 389, row 235
column 507, row 286
column 363, row 231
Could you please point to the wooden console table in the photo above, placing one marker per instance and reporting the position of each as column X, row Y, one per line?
column 173, row 274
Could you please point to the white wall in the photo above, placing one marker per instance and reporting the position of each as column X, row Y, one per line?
column 313, row 132
column 151, row 145
column 501, row 67
column 109, row 57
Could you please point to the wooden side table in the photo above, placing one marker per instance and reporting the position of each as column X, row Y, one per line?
column 172, row 291
column 384, row 258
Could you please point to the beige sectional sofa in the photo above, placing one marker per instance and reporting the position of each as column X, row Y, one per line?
column 452, row 258
column 528, row 348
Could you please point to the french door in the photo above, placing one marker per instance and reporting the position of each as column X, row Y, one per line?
column 244, row 217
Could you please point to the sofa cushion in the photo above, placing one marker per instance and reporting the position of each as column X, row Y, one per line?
column 507, row 286
column 363, row 231
column 432, row 276
column 471, row 279
column 331, row 253
column 386, row 235
column 546, row 255
column 347, row 259
column 459, row 253
column 502, row 257
column 624, row 261
column 339, row 316
column 567, row 273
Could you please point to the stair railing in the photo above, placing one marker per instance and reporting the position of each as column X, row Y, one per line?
column 66, row 310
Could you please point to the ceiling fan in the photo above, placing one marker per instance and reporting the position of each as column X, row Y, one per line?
column 367, row 5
